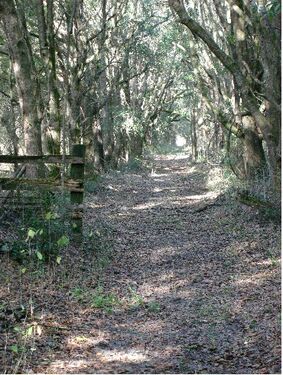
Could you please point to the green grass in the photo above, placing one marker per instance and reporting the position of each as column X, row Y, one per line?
column 97, row 299
column 104, row 301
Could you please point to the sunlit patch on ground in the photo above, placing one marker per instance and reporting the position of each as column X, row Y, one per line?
column 131, row 355
column 65, row 366
column 256, row 279
column 171, row 157
column 196, row 285
column 269, row 262
column 82, row 341
column 145, row 206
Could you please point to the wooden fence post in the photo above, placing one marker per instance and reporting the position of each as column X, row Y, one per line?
column 77, row 173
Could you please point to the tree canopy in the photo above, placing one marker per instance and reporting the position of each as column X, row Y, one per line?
column 119, row 76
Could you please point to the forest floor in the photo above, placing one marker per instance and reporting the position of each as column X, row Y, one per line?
column 174, row 278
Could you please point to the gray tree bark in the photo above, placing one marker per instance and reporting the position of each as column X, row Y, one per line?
column 268, row 125
column 26, row 84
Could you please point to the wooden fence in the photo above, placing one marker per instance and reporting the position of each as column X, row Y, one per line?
column 74, row 184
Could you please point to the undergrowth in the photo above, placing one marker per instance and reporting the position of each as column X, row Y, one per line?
column 99, row 298
column 91, row 183
column 257, row 193
column 41, row 257
column 133, row 165
column 41, row 233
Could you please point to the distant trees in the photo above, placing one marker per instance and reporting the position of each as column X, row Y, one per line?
column 86, row 71
column 120, row 75
column 250, row 51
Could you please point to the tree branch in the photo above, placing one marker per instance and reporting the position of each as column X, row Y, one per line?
column 4, row 93
column 178, row 7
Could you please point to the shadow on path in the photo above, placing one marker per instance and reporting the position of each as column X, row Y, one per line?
column 197, row 291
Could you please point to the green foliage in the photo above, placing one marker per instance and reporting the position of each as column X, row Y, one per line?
column 105, row 301
column 63, row 241
column 108, row 301
column 97, row 299
column 78, row 294
column 136, row 299
column 231, row 39
column 42, row 235
column 153, row 307
column 15, row 348
column 273, row 8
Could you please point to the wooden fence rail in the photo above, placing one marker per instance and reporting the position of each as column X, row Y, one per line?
column 74, row 184
column 51, row 159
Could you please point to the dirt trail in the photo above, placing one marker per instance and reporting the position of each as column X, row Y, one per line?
column 196, row 282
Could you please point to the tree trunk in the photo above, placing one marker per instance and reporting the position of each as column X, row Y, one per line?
column 136, row 146
column 26, row 84
column 254, row 158
column 55, row 118
column 269, row 127
column 106, row 118
column 51, row 127
column 194, row 137
column 98, row 151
